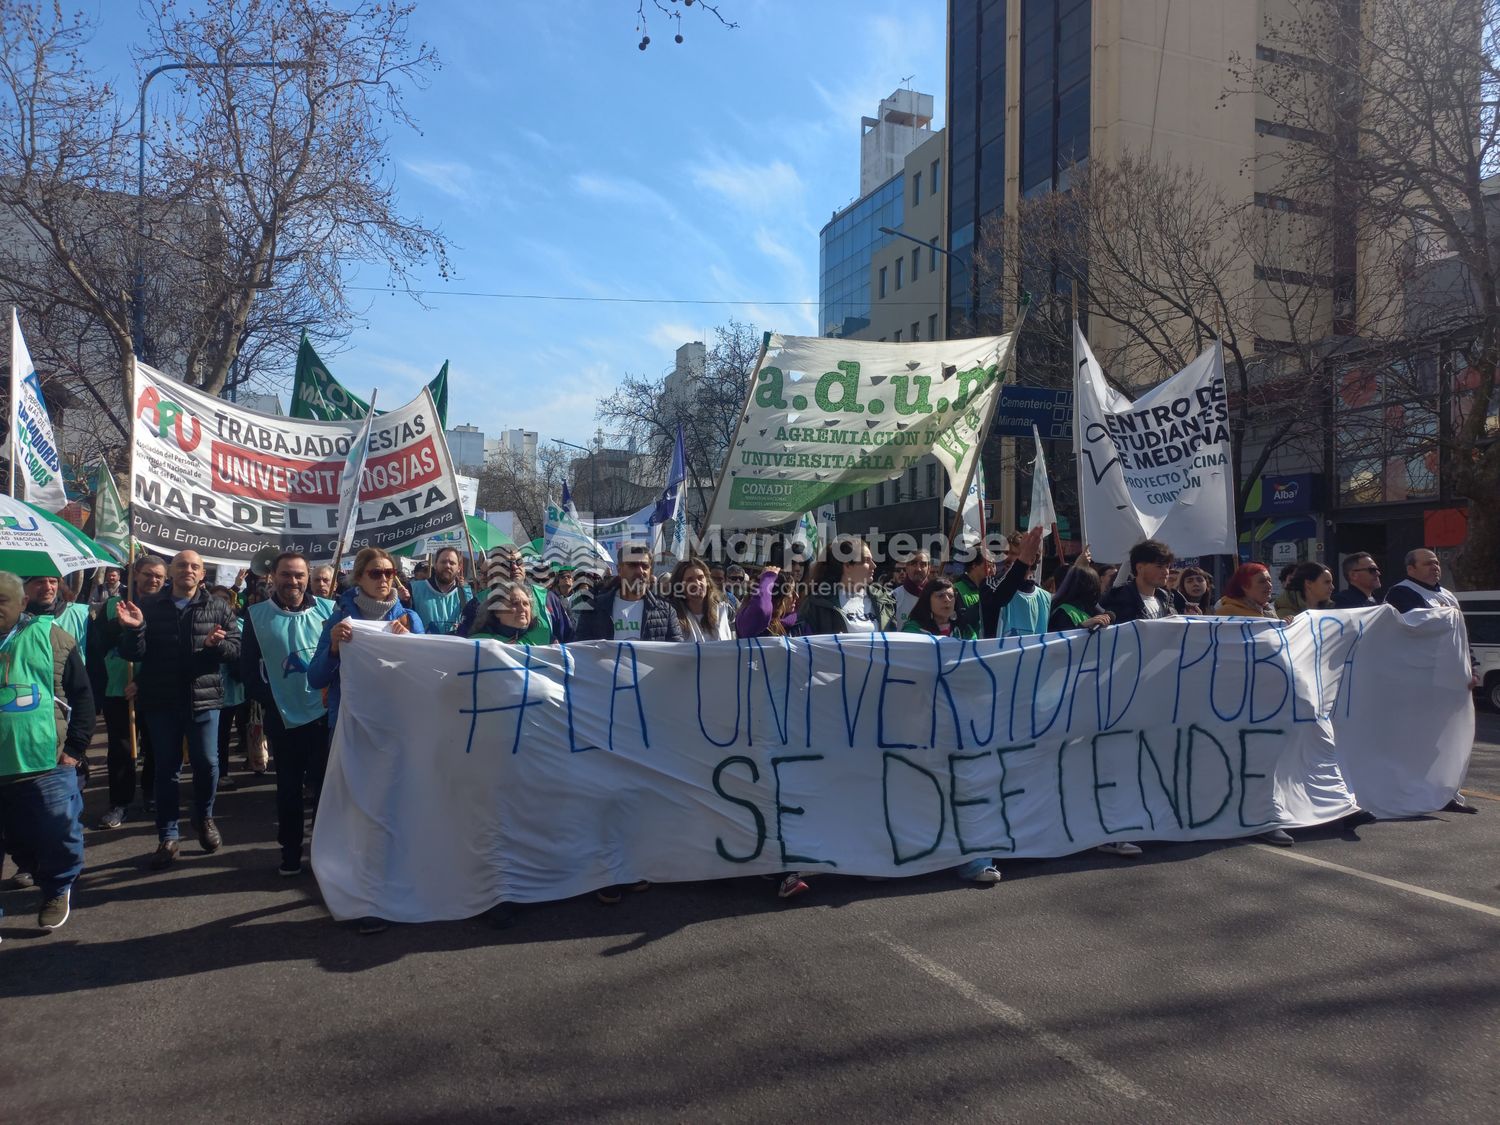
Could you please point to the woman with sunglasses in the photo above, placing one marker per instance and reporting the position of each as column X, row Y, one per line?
column 372, row 597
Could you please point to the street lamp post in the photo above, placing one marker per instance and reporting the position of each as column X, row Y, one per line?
column 138, row 293
column 969, row 303
column 593, row 469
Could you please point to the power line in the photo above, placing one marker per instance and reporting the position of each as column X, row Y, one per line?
column 606, row 300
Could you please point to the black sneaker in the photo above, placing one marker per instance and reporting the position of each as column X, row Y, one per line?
column 208, row 834
column 290, row 868
column 165, row 855
column 114, row 818
column 372, row 925
column 1458, row 804
column 21, row 881
column 1278, row 836
column 55, row 911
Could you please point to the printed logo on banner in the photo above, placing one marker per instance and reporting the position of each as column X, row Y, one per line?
column 14, row 523
column 166, row 417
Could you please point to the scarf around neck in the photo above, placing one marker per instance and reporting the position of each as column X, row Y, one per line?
column 370, row 609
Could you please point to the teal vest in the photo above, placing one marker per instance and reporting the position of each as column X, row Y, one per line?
column 28, row 728
column 439, row 612
column 116, row 667
column 74, row 619
column 287, row 643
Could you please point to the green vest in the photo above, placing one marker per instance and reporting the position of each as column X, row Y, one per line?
column 116, row 667
column 28, row 728
column 440, row 613
column 540, row 631
column 287, row 643
column 1076, row 613
column 968, row 613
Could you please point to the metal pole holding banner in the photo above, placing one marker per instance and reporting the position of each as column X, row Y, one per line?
column 359, row 472
column 984, row 427
column 739, row 422
column 10, row 487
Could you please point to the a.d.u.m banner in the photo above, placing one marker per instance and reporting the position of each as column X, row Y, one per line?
column 827, row 418
column 227, row 482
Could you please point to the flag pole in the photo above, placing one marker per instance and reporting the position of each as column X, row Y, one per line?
column 984, row 427
column 10, row 487
column 353, row 518
column 739, row 422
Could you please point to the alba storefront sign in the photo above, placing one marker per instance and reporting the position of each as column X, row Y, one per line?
column 1286, row 494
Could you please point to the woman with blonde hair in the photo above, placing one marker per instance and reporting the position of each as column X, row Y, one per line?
column 701, row 607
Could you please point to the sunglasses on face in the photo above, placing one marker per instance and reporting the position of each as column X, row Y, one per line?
column 379, row 572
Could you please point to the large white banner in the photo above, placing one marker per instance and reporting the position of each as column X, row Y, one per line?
column 828, row 418
column 35, row 459
column 227, row 482
column 1160, row 467
column 465, row 773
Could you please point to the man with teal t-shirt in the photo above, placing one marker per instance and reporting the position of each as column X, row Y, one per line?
column 44, row 599
column 440, row 599
column 280, row 637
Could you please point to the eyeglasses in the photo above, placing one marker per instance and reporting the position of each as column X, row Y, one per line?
column 379, row 572
column 1365, row 570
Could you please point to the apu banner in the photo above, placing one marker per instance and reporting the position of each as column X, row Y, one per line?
column 827, row 418
column 226, row 482
column 1160, row 467
column 465, row 773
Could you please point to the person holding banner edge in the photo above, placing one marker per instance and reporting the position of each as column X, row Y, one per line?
column 281, row 634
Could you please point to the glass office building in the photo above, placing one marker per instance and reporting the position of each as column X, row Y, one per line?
column 845, row 247
column 1054, row 116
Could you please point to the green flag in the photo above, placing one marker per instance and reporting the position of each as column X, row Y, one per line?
column 318, row 395
column 111, row 523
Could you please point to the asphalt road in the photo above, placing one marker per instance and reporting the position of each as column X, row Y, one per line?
column 1354, row 977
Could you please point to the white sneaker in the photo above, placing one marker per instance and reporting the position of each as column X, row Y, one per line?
column 1119, row 847
column 989, row 874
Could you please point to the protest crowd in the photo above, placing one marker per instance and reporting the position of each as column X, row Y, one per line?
column 174, row 663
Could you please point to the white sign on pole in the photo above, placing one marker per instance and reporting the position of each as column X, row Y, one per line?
column 882, row 754
column 1160, row 467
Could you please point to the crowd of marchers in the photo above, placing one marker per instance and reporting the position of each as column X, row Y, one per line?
column 177, row 667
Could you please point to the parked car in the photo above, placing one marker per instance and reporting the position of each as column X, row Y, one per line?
column 1481, row 610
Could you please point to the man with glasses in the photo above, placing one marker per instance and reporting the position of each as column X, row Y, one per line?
column 629, row 610
column 182, row 637
column 1145, row 596
column 1361, row 581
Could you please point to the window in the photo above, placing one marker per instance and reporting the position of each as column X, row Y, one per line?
column 932, row 327
column 882, row 281
column 916, row 188
column 916, row 331
column 932, row 489
column 932, row 257
column 900, row 270
column 898, row 336
column 916, row 264
column 932, row 180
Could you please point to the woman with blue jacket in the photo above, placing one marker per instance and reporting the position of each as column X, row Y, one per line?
column 372, row 597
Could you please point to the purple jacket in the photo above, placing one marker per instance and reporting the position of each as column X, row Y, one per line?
column 754, row 617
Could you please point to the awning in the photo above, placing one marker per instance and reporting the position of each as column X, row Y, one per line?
column 1281, row 531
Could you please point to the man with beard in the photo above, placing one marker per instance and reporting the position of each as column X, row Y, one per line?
column 441, row 597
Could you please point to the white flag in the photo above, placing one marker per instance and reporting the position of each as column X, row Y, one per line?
column 1159, row 467
column 349, row 480
column 35, row 460
column 1043, row 511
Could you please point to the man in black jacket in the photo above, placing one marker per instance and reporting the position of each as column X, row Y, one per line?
column 182, row 637
column 1361, row 583
column 1145, row 597
column 629, row 611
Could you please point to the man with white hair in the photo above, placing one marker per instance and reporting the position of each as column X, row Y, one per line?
column 46, row 720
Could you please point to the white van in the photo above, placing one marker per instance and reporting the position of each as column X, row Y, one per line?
column 1481, row 610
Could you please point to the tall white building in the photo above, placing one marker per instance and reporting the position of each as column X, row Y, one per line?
column 521, row 442
column 903, row 121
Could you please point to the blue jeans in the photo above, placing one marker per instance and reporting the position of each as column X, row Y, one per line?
column 41, row 827
column 168, row 728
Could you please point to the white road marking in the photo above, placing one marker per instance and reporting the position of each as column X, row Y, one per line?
column 1412, row 888
column 1070, row 1053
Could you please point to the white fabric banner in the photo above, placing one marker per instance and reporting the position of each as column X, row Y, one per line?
column 1160, row 467
column 36, row 461
column 228, row 482
column 1043, row 510
column 464, row 773
column 828, row 418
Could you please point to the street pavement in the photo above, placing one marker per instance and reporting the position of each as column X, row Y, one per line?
column 1353, row 977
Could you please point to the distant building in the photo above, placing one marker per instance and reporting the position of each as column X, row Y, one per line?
column 522, row 443
column 266, row 404
column 466, row 446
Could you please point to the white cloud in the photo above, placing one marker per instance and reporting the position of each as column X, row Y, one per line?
column 453, row 178
column 668, row 336
column 761, row 190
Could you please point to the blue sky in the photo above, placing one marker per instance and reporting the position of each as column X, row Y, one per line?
column 562, row 160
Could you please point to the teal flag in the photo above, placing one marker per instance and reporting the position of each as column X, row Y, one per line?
column 318, row 395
